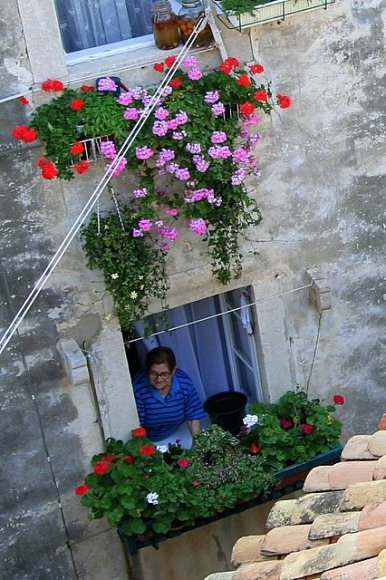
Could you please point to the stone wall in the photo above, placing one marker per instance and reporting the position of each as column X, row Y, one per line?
column 321, row 193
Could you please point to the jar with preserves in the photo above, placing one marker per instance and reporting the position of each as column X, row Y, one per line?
column 165, row 25
column 188, row 16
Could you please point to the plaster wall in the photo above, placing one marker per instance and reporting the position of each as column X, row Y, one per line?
column 321, row 192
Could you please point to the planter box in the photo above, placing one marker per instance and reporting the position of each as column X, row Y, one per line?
column 276, row 10
column 290, row 479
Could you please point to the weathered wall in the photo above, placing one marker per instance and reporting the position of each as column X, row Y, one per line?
column 321, row 191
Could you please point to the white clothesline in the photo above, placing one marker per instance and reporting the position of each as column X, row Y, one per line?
column 24, row 309
column 219, row 314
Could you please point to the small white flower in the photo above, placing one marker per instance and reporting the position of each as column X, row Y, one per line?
column 250, row 420
column 162, row 448
column 133, row 295
column 152, row 498
column 115, row 276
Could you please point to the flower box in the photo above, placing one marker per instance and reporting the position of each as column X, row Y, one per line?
column 290, row 479
column 272, row 11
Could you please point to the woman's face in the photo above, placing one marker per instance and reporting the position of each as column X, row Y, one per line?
column 160, row 376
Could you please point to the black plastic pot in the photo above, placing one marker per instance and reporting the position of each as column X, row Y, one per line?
column 227, row 409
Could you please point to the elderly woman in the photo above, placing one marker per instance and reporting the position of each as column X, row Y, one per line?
column 166, row 399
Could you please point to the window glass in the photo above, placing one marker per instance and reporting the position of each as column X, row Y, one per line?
column 89, row 23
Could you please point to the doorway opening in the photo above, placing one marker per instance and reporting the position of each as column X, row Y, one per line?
column 215, row 343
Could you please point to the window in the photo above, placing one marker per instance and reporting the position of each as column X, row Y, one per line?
column 86, row 24
column 217, row 350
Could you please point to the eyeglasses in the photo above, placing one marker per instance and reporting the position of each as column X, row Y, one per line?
column 163, row 376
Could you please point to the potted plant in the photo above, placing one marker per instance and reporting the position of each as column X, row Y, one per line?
column 145, row 490
column 190, row 163
column 247, row 13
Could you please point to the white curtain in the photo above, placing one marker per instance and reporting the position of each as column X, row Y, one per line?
column 88, row 23
column 199, row 348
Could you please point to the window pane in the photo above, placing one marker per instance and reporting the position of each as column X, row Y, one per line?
column 89, row 23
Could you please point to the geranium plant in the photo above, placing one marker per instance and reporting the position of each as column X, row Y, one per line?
column 190, row 161
column 141, row 487
column 292, row 430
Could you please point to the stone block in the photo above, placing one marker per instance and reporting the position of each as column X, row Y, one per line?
column 377, row 443
column 259, row 571
column 73, row 360
column 287, row 539
column 317, row 479
column 334, row 525
column 248, row 549
column 343, row 474
column 357, row 447
column 365, row 570
column 358, row 495
column 380, row 468
column 372, row 516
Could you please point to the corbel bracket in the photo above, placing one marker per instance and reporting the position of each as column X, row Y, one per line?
column 319, row 291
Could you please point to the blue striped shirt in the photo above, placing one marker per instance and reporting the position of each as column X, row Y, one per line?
column 161, row 416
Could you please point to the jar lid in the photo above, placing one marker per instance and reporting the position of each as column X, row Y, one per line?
column 161, row 6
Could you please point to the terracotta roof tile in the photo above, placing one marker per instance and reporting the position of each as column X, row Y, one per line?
column 365, row 570
column 335, row 524
column 287, row 539
column 259, row 571
column 357, row 448
column 335, row 531
column 377, row 443
column 358, row 495
column 248, row 549
column 343, row 474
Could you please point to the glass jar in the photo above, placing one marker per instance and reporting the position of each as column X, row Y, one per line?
column 165, row 25
column 188, row 16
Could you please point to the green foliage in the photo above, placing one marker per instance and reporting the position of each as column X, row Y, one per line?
column 293, row 430
column 242, row 6
column 134, row 268
column 140, row 487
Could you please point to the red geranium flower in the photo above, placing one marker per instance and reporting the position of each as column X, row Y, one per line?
column 260, row 96
column 82, row 166
column 183, row 462
column 101, row 467
column 52, row 85
column 195, row 483
column 77, row 148
column 175, row 83
column 244, row 80
column 286, row 424
column 159, row 66
column 225, row 68
column 232, row 62
column 254, row 448
column 247, row 109
column 87, row 89
column 338, row 399
column 284, row 101
column 256, row 68
column 81, row 489
column 147, row 450
column 24, row 100
column 128, row 459
column 49, row 170
column 77, row 104
column 307, row 429
column 140, row 432
column 24, row 133
column 109, row 458
column 170, row 60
